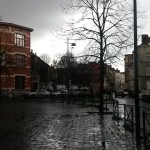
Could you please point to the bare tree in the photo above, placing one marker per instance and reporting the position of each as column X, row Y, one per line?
column 106, row 25
column 55, row 63
column 45, row 57
column 6, row 46
column 67, row 60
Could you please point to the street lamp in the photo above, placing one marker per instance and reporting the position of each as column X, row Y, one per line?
column 137, row 109
column 72, row 45
column 68, row 61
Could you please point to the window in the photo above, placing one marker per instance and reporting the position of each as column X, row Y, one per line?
column 20, row 40
column 20, row 60
column 126, row 59
column 148, row 71
column 147, row 57
column 19, row 82
column 148, row 85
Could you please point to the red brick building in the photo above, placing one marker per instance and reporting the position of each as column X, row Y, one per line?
column 15, row 67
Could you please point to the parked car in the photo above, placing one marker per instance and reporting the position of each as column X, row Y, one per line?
column 142, row 94
column 131, row 93
column 119, row 93
column 38, row 94
column 57, row 93
column 65, row 92
column 126, row 92
column 75, row 92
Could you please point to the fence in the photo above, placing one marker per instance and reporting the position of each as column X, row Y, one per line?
column 128, row 118
column 146, row 127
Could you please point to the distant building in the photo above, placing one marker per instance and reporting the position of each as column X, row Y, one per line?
column 128, row 63
column 88, row 75
column 41, row 73
column 143, row 66
column 15, row 69
column 119, row 80
column 144, row 63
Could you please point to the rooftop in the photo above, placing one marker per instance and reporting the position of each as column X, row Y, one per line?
column 16, row 25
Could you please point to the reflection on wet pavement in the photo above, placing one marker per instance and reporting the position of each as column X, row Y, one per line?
column 56, row 126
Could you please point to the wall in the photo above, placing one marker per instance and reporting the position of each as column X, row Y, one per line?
column 7, row 44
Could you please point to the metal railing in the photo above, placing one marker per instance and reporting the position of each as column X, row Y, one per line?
column 146, row 127
column 116, row 108
column 128, row 117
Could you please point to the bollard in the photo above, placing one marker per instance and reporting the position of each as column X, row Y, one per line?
column 103, row 144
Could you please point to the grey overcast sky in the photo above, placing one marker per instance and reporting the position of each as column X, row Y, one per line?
column 42, row 16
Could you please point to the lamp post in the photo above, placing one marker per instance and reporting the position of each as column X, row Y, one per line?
column 137, row 109
column 68, row 62
column 72, row 45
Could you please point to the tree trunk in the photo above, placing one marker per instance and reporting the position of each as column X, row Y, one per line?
column 101, row 75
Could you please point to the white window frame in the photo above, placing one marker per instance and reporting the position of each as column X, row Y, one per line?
column 20, row 39
column 148, row 71
column 147, row 57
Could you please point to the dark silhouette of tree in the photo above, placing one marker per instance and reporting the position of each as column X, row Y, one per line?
column 6, row 45
column 45, row 57
column 66, row 61
column 55, row 63
column 106, row 26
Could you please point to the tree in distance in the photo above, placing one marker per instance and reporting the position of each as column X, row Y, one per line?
column 45, row 57
column 66, row 61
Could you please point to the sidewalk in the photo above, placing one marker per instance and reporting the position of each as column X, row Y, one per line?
column 58, row 126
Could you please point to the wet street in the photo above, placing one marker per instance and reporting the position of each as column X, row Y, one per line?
column 42, row 125
column 130, row 101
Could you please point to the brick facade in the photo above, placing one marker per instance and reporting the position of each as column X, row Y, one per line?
column 15, row 42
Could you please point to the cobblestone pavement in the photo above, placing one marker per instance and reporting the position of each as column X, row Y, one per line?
column 38, row 125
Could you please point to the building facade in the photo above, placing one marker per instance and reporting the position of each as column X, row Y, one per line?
column 128, row 64
column 88, row 75
column 15, row 68
column 119, row 80
column 143, row 66
column 41, row 73
column 144, row 63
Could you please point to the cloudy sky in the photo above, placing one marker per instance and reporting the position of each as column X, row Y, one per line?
column 39, row 15
column 42, row 16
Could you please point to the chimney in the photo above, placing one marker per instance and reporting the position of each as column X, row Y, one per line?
column 145, row 39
